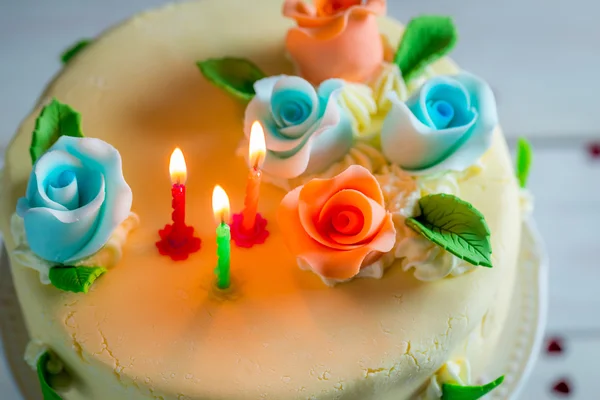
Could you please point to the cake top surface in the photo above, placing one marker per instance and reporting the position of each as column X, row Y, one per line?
column 162, row 322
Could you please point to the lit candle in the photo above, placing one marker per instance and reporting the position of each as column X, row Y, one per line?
column 178, row 172
column 220, row 203
column 177, row 239
column 256, row 156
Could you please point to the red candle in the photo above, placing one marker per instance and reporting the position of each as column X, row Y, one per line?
column 178, row 192
column 257, row 150
column 177, row 239
column 178, row 172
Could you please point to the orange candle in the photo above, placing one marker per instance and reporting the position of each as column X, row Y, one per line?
column 256, row 156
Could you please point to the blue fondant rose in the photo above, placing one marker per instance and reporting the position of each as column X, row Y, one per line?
column 306, row 130
column 76, row 197
column 446, row 125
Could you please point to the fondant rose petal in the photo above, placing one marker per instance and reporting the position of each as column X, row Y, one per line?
column 332, row 7
column 350, row 218
column 320, row 258
column 98, row 155
column 337, row 264
column 335, row 227
column 353, row 56
column 305, row 130
column 264, row 87
column 480, row 140
column 58, row 236
column 48, row 168
column 300, row 96
column 332, row 139
column 356, row 177
column 287, row 167
column 410, row 138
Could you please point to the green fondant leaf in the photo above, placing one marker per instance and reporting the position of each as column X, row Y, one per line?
column 456, row 226
column 524, row 157
column 42, row 371
column 55, row 120
column 75, row 279
column 234, row 75
column 426, row 39
column 72, row 51
column 457, row 392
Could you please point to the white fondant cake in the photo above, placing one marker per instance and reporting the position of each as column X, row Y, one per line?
column 153, row 328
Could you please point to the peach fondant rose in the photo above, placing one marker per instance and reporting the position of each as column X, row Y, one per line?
column 335, row 38
column 337, row 226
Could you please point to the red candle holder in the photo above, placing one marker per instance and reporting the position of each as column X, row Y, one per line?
column 244, row 238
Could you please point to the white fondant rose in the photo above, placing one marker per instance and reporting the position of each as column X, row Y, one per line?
column 306, row 130
column 75, row 199
column 446, row 125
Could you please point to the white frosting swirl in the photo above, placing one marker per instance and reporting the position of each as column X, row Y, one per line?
column 357, row 99
column 388, row 80
column 456, row 372
column 402, row 192
column 106, row 257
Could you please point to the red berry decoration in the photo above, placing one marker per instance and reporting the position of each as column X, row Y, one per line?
column 562, row 387
column 594, row 149
column 554, row 346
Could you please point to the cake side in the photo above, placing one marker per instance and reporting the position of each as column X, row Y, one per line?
column 150, row 327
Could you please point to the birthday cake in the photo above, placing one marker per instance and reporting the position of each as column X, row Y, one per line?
column 218, row 200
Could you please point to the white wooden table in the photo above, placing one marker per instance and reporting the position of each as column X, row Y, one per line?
column 540, row 56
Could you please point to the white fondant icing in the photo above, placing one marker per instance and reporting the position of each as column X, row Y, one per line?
column 526, row 201
column 107, row 256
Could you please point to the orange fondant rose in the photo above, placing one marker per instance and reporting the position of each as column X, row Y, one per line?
column 337, row 226
column 335, row 38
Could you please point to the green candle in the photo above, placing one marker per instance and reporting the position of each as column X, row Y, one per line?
column 224, row 253
column 220, row 203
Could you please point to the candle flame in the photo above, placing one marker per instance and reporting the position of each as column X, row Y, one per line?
column 220, row 204
column 257, row 147
column 177, row 167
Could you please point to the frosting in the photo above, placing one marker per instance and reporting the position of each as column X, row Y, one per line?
column 34, row 350
column 389, row 80
column 338, row 225
column 357, row 99
column 75, row 198
column 335, row 39
column 108, row 256
column 402, row 192
column 305, row 130
column 457, row 372
column 446, row 125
